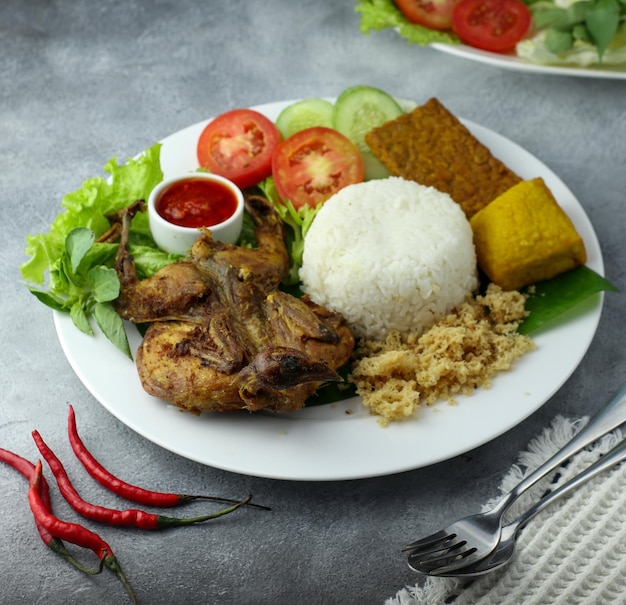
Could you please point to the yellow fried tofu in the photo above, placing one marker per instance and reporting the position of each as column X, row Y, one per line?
column 524, row 236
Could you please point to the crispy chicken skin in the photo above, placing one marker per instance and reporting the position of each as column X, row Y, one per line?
column 222, row 336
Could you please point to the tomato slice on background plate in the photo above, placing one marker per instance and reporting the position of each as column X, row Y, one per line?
column 492, row 25
column 313, row 164
column 434, row 14
column 238, row 145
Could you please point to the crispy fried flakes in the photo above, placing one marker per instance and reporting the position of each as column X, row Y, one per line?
column 461, row 353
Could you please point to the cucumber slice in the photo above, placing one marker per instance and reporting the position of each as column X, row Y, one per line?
column 357, row 110
column 373, row 168
column 304, row 114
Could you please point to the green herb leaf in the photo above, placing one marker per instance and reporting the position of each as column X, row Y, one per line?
column 549, row 299
column 80, row 319
column 549, row 17
column 77, row 243
column 48, row 299
column 558, row 41
column 602, row 20
column 112, row 326
column 546, row 15
column 104, row 282
column 581, row 33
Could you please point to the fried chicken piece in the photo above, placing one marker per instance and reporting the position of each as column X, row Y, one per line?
column 222, row 335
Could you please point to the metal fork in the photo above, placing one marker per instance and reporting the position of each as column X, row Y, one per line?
column 503, row 553
column 472, row 538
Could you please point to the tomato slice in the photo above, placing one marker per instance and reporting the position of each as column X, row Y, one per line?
column 238, row 145
column 313, row 164
column 493, row 25
column 435, row 14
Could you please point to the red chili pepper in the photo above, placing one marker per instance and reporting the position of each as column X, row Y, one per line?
column 129, row 517
column 27, row 469
column 121, row 488
column 72, row 532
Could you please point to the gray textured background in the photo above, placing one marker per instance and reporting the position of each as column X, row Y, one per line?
column 83, row 81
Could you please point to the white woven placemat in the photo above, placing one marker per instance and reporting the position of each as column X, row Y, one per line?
column 572, row 553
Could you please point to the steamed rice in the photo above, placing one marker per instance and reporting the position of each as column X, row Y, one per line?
column 389, row 254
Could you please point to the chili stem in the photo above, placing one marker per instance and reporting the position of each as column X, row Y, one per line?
column 129, row 517
column 165, row 522
column 73, row 532
column 59, row 548
column 131, row 492
column 27, row 469
column 114, row 565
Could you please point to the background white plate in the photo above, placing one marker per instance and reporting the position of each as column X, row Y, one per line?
column 342, row 441
column 518, row 64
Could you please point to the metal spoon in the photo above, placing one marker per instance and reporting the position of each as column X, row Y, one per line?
column 506, row 547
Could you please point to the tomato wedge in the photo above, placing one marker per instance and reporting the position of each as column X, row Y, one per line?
column 313, row 164
column 493, row 25
column 435, row 14
column 238, row 145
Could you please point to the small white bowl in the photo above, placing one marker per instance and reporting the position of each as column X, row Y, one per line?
column 178, row 239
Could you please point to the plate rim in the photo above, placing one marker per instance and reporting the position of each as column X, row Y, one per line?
column 514, row 63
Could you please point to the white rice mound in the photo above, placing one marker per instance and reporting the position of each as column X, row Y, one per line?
column 389, row 254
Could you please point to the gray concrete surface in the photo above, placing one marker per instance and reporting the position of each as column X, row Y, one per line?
column 81, row 82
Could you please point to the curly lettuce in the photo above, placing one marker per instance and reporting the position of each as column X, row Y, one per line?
column 377, row 15
column 299, row 221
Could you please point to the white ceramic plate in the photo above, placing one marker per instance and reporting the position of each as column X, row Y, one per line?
column 517, row 64
column 342, row 441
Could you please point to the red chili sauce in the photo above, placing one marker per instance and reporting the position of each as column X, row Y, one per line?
column 196, row 203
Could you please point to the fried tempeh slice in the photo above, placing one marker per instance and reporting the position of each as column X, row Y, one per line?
column 431, row 146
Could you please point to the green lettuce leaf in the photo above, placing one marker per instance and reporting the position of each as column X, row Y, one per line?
column 88, row 206
column 298, row 221
column 70, row 271
column 383, row 14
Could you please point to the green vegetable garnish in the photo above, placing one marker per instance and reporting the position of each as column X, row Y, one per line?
column 554, row 297
column 80, row 276
column 586, row 23
column 383, row 14
column 299, row 222
column 307, row 113
column 602, row 19
column 583, row 33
